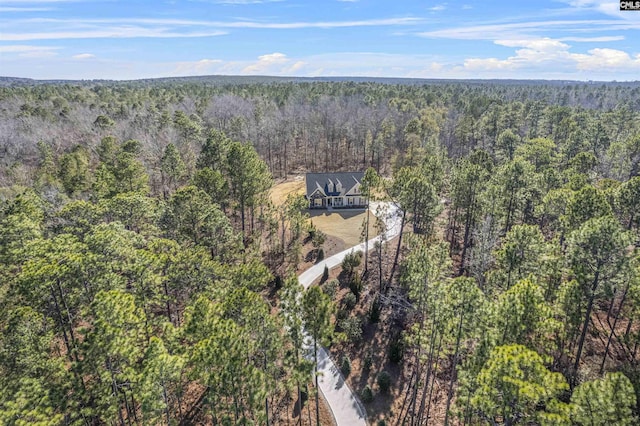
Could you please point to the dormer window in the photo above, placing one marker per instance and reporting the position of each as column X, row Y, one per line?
column 338, row 186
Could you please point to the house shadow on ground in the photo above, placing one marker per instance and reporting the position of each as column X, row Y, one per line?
column 344, row 213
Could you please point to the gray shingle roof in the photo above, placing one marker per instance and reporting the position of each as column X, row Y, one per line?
column 326, row 182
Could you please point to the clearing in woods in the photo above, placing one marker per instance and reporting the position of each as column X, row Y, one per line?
column 345, row 225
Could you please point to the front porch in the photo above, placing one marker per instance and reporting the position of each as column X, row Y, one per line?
column 338, row 203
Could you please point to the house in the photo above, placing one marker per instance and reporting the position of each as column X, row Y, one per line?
column 335, row 190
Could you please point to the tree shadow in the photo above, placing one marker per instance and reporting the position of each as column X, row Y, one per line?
column 299, row 404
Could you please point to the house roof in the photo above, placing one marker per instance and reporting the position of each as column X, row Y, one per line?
column 326, row 182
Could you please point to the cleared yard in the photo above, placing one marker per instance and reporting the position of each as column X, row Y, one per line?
column 279, row 192
column 345, row 225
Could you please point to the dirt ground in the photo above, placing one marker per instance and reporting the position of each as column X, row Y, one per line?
column 288, row 413
column 280, row 191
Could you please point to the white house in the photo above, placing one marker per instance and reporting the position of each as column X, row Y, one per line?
column 335, row 190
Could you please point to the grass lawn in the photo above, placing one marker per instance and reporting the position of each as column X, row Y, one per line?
column 345, row 225
column 279, row 192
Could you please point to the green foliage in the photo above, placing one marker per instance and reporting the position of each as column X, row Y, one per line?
column 355, row 285
column 345, row 366
column 317, row 309
column 103, row 122
column 136, row 211
column 383, row 379
column 121, row 302
column 249, row 177
column 374, row 310
column 33, row 383
column 350, row 262
column 192, row 216
column 507, row 144
column 21, row 224
column 513, row 187
column 418, row 195
column 585, row 204
column 396, row 350
column 74, row 171
column 606, row 401
column 596, row 252
column 112, row 349
column 160, row 387
column 352, row 328
column 172, row 167
column 628, row 202
column 366, row 394
column 520, row 253
column 331, row 288
column 512, row 385
column 349, row 301
column 522, row 316
column 214, row 184
column 120, row 171
column 325, row 274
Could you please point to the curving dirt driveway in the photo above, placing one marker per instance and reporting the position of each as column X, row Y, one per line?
column 343, row 402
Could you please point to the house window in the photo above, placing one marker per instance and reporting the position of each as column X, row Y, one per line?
column 318, row 201
column 350, row 201
column 337, row 201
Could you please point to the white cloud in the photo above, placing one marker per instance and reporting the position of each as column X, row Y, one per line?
column 24, row 48
column 528, row 29
column 84, row 56
column 24, row 9
column 29, row 51
column 542, row 55
column 265, row 63
column 540, row 59
column 57, row 29
column 593, row 39
column 606, row 59
column 203, row 66
column 438, row 8
column 611, row 8
column 107, row 32
column 295, row 67
column 542, row 44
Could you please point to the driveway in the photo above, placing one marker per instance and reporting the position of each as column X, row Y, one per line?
column 343, row 402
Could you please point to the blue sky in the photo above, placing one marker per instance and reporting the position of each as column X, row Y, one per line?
column 113, row 39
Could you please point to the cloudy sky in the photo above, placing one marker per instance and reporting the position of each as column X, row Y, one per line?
column 114, row 39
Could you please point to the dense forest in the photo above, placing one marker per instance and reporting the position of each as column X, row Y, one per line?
column 147, row 277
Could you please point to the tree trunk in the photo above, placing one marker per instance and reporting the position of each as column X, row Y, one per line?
column 465, row 241
column 587, row 316
column 366, row 245
column 315, row 356
column 395, row 260
column 613, row 328
column 454, row 364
